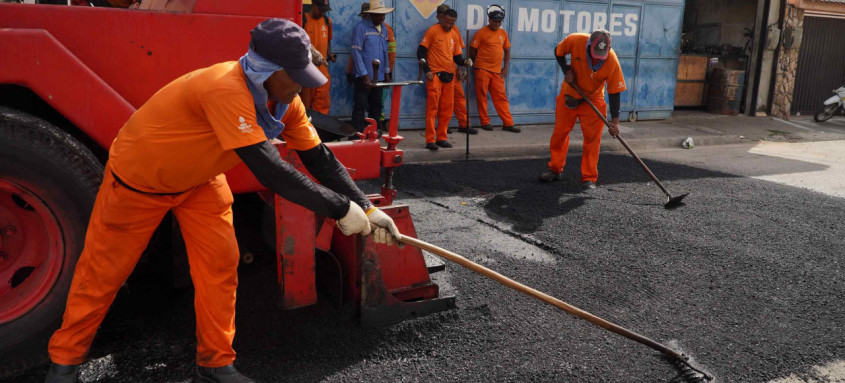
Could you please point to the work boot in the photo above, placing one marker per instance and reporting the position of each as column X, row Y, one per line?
column 512, row 128
column 431, row 146
column 225, row 374
column 549, row 176
column 443, row 144
column 470, row 130
column 60, row 373
column 588, row 185
column 487, row 127
column 450, row 130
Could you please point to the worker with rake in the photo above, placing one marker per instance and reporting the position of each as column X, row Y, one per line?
column 592, row 64
column 171, row 156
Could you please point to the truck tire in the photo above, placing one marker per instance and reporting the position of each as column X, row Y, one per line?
column 48, row 183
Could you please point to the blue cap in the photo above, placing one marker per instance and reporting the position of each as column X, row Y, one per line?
column 285, row 43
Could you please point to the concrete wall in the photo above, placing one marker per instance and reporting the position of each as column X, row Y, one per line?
column 767, row 63
column 786, row 67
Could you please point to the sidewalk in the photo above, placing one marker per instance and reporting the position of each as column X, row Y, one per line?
column 704, row 128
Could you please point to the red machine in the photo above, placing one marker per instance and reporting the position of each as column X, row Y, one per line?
column 70, row 77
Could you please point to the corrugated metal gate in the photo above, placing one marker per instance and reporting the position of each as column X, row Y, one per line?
column 646, row 37
column 821, row 63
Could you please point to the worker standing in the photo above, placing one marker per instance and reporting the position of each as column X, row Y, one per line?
column 489, row 47
column 593, row 64
column 319, row 28
column 461, row 74
column 369, row 42
column 441, row 50
column 171, row 156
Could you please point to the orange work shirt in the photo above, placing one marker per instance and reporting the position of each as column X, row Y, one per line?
column 442, row 46
column 591, row 82
column 186, row 133
column 320, row 35
column 491, row 47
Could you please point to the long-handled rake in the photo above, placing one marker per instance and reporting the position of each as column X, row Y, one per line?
column 689, row 372
column 671, row 202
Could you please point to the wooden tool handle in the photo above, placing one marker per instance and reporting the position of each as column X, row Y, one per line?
column 541, row 296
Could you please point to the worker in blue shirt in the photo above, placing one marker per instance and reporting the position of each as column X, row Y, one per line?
column 369, row 42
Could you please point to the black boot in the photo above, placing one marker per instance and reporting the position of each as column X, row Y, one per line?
column 60, row 373
column 225, row 374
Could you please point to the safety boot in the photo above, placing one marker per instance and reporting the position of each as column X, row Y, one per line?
column 487, row 127
column 60, row 373
column 549, row 176
column 469, row 130
column 588, row 185
column 225, row 374
column 443, row 144
column 512, row 129
column 431, row 146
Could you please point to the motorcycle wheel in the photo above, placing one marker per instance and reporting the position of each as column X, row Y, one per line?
column 826, row 112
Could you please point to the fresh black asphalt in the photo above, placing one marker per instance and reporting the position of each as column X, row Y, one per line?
column 747, row 278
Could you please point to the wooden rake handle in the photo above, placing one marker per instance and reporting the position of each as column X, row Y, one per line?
column 541, row 296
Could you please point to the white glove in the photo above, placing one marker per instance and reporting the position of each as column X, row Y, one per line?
column 468, row 62
column 316, row 57
column 355, row 221
column 385, row 231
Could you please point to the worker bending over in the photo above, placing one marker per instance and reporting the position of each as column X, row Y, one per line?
column 171, row 155
column 592, row 64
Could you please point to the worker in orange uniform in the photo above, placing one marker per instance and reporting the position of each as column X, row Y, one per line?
column 461, row 74
column 319, row 28
column 593, row 64
column 171, row 156
column 490, row 45
column 442, row 50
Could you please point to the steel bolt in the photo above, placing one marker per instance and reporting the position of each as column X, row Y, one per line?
column 9, row 231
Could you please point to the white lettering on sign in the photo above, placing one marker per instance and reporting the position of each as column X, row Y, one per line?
column 545, row 20
column 549, row 24
column 476, row 19
column 528, row 22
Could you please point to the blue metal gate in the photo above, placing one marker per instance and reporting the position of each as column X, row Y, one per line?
column 646, row 37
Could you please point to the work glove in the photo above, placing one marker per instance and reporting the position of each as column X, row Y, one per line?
column 355, row 221
column 316, row 57
column 468, row 62
column 385, row 231
column 464, row 74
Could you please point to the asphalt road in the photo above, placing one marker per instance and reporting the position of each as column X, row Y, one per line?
column 747, row 278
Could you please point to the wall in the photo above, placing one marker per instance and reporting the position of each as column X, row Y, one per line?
column 733, row 15
column 786, row 67
column 646, row 38
column 767, row 62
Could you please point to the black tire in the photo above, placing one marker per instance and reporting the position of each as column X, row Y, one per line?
column 64, row 175
column 826, row 112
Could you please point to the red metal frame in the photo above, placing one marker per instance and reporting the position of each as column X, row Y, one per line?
column 95, row 66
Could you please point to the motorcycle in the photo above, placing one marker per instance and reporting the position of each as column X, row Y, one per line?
column 832, row 106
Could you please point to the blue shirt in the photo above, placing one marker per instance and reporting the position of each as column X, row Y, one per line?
column 369, row 44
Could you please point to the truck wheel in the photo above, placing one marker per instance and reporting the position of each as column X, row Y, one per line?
column 826, row 112
column 48, row 182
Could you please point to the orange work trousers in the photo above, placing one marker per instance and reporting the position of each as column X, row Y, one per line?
column 121, row 225
column 318, row 99
column 438, row 105
column 591, row 126
column 460, row 100
column 486, row 81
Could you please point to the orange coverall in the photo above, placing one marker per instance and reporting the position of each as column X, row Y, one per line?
column 491, row 47
column 319, row 99
column 460, row 97
column 179, row 142
column 592, row 83
column 442, row 47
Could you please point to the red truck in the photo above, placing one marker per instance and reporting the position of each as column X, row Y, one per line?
column 70, row 76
